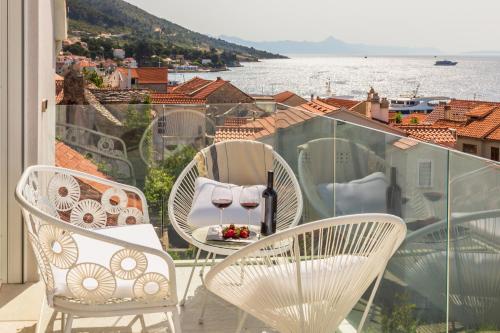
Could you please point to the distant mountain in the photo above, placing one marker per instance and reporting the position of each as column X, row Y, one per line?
column 330, row 45
column 483, row 53
column 120, row 17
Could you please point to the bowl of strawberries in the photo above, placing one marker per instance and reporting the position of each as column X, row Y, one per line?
column 234, row 232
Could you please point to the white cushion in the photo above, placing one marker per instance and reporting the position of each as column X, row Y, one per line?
column 335, row 271
column 204, row 213
column 366, row 195
column 93, row 251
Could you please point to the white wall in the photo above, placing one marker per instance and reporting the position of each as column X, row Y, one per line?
column 27, row 136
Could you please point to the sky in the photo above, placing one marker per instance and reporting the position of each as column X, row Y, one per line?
column 452, row 26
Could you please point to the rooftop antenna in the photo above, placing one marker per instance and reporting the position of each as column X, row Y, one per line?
column 328, row 87
column 415, row 92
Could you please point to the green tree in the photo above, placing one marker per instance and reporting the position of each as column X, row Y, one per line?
column 93, row 77
column 76, row 49
column 160, row 179
column 399, row 118
column 414, row 120
column 158, row 185
column 178, row 161
column 399, row 317
column 137, row 119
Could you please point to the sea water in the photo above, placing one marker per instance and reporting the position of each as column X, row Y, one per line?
column 472, row 78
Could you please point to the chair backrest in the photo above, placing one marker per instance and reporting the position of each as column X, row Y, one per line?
column 343, row 161
column 308, row 278
column 467, row 249
column 289, row 195
column 67, row 214
column 174, row 128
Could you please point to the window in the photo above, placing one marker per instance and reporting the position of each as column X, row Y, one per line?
column 468, row 148
column 495, row 154
column 424, row 173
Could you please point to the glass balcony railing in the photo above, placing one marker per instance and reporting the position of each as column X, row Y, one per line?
column 445, row 275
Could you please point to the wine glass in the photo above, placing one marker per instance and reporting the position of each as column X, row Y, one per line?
column 222, row 197
column 249, row 199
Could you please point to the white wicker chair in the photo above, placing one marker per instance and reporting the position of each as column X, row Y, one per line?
column 467, row 249
column 93, row 262
column 343, row 161
column 181, row 198
column 307, row 279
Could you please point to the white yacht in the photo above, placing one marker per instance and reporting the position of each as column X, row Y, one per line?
column 409, row 105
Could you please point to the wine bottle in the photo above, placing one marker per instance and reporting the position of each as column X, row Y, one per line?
column 393, row 196
column 268, row 224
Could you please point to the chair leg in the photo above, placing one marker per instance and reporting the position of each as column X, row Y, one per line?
column 143, row 322
column 242, row 321
column 205, row 296
column 202, row 272
column 183, row 301
column 63, row 317
column 69, row 323
column 175, row 323
column 370, row 301
column 40, row 317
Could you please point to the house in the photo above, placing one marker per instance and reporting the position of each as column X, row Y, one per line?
column 86, row 65
column 289, row 98
column 129, row 62
column 476, row 123
column 153, row 78
column 206, row 62
column 213, row 91
column 119, row 53
column 107, row 66
column 481, row 133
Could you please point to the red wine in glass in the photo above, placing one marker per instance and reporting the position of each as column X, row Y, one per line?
column 222, row 203
column 222, row 197
column 249, row 199
column 249, row 205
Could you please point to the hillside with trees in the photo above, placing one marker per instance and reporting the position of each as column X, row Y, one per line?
column 143, row 35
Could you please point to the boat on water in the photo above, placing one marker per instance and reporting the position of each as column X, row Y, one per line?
column 445, row 63
column 409, row 105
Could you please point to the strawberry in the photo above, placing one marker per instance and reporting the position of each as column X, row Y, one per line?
column 231, row 226
column 244, row 233
column 229, row 233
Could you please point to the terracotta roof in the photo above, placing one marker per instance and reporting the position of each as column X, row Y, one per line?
column 318, row 106
column 208, row 89
column 430, row 133
column 67, row 157
column 124, row 72
column 224, row 133
column 265, row 126
column 152, row 75
column 495, row 135
column 481, row 128
column 235, row 121
column 449, row 123
column 341, row 102
column 147, row 75
column 480, row 111
column 458, row 110
column 175, row 98
column 283, row 96
column 190, row 86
